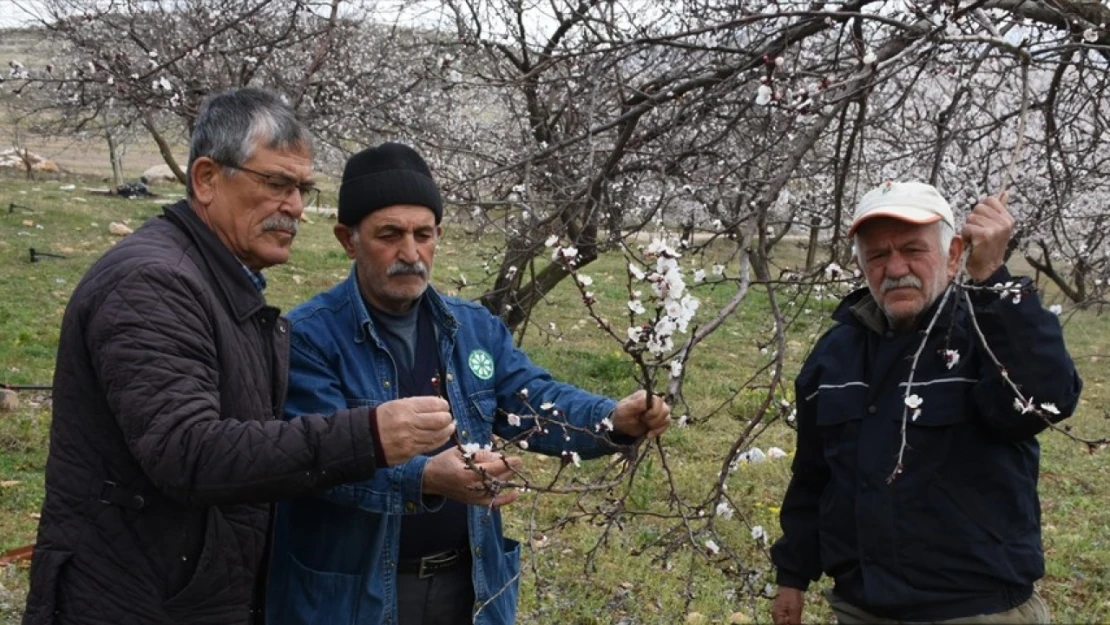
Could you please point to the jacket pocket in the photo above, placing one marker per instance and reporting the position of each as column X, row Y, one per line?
column 214, row 576
column 944, row 402
column 320, row 597
column 839, row 414
column 483, row 405
column 47, row 566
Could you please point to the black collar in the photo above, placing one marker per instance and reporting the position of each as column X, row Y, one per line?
column 227, row 270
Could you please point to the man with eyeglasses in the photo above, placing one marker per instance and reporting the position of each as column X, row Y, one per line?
column 167, row 442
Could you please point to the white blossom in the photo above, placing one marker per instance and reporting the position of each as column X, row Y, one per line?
column 775, row 452
column 951, row 358
column 585, row 280
column 763, row 95
column 513, row 419
column 1050, row 408
column 724, row 510
column 718, row 270
column 637, row 307
column 699, row 276
column 1090, row 35
column 914, row 401
column 574, row 457
column 676, row 368
column 1056, row 309
column 758, row 533
column 712, row 547
column 551, row 240
column 870, row 58
column 635, row 271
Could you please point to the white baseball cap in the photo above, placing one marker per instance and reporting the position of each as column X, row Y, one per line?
column 913, row 202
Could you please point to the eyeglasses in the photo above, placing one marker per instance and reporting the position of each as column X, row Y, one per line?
column 281, row 187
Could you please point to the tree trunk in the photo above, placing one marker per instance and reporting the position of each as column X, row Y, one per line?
column 114, row 156
column 163, row 148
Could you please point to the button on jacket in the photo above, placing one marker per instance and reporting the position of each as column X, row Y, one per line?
column 958, row 532
column 335, row 557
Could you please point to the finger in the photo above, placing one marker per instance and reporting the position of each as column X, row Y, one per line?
column 499, row 468
column 427, row 403
column 505, row 498
column 433, row 420
column 436, row 438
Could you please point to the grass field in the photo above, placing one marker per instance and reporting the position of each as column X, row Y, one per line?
column 621, row 586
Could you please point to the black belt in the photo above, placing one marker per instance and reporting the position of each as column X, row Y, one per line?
column 430, row 565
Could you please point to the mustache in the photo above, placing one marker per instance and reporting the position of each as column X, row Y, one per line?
column 401, row 268
column 281, row 222
column 908, row 280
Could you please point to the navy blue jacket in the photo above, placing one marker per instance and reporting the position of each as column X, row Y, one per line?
column 958, row 532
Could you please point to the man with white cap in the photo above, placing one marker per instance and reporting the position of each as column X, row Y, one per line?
column 943, row 525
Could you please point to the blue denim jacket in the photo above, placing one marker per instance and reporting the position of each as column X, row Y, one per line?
column 334, row 558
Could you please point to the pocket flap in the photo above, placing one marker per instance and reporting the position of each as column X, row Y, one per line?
column 944, row 401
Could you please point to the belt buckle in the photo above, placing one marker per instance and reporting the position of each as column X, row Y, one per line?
column 439, row 560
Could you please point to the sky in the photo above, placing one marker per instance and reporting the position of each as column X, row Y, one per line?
column 11, row 14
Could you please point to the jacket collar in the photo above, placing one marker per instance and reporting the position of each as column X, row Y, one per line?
column 364, row 323
column 860, row 309
column 227, row 272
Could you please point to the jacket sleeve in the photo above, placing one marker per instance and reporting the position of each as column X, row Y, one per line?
column 582, row 410
column 796, row 554
column 151, row 343
column 315, row 388
column 1029, row 342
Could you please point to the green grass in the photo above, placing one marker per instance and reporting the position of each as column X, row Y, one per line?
column 632, row 579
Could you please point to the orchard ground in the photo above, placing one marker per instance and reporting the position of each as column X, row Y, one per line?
column 622, row 586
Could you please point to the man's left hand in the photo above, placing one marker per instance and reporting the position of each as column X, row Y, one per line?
column 988, row 229
column 633, row 417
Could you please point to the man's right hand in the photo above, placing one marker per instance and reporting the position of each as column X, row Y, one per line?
column 447, row 474
column 787, row 608
column 412, row 426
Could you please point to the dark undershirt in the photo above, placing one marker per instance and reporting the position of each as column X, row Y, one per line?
column 411, row 340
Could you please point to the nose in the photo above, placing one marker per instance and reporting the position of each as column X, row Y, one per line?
column 293, row 205
column 408, row 249
column 896, row 266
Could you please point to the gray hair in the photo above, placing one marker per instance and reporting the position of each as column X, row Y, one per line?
column 945, row 234
column 232, row 124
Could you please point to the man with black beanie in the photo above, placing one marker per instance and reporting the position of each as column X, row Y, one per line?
column 420, row 543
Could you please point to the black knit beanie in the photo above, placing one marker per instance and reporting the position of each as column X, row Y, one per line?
column 384, row 176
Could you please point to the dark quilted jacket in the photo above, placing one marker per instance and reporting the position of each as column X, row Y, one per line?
column 167, row 442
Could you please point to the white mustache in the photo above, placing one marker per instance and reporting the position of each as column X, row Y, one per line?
column 908, row 280
column 401, row 268
column 281, row 222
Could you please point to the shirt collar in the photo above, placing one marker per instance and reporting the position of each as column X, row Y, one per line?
column 257, row 279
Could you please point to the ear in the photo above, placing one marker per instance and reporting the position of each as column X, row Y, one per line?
column 203, row 175
column 439, row 232
column 954, row 252
column 343, row 235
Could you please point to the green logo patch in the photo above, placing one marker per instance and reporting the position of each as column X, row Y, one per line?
column 481, row 363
